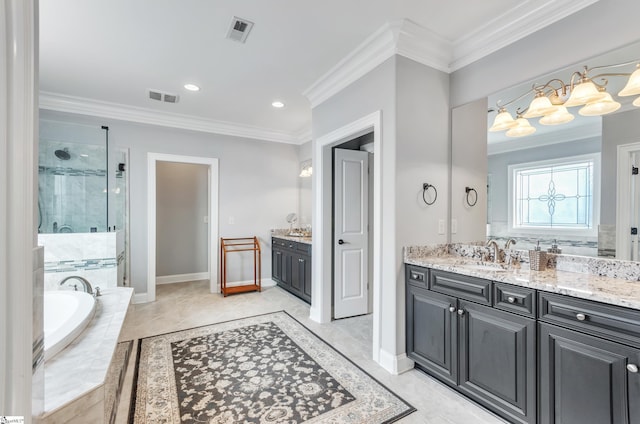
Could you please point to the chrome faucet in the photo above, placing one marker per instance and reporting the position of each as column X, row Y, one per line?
column 496, row 250
column 508, row 244
column 85, row 283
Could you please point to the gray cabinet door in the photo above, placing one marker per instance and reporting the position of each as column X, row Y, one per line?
column 304, row 271
column 498, row 360
column 584, row 379
column 432, row 332
column 276, row 265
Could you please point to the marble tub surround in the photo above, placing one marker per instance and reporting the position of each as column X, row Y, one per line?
column 75, row 378
column 283, row 233
column 585, row 285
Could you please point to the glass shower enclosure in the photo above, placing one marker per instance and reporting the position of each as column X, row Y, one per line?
column 82, row 203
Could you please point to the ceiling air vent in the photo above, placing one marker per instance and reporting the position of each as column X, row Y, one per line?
column 161, row 96
column 239, row 29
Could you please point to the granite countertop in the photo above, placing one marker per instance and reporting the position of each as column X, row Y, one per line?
column 615, row 291
column 299, row 239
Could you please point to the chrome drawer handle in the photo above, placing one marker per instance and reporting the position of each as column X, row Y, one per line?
column 632, row 368
column 452, row 308
column 511, row 299
column 460, row 312
column 581, row 317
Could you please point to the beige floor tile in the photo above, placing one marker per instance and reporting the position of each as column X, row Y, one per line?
column 187, row 305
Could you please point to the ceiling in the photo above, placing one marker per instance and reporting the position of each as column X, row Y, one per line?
column 101, row 56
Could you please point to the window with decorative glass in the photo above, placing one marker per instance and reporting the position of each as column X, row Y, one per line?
column 559, row 195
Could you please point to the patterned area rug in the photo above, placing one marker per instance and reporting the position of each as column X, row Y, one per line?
column 263, row 369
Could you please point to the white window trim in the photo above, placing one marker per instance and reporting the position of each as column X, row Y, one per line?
column 591, row 232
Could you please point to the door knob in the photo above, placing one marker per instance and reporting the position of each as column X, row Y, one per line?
column 632, row 368
column 340, row 241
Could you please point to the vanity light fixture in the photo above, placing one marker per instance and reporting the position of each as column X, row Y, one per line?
column 552, row 99
column 307, row 169
column 192, row 87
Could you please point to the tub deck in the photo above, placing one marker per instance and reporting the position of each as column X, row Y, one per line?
column 74, row 376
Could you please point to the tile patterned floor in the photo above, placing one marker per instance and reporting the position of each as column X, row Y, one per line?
column 186, row 305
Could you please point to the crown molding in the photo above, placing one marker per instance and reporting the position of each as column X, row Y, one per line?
column 513, row 25
column 377, row 48
column 409, row 39
column 590, row 130
column 85, row 106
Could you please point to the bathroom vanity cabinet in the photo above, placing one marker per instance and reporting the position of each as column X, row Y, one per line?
column 455, row 334
column 528, row 355
column 291, row 266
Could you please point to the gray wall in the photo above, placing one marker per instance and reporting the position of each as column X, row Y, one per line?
column 257, row 184
column 617, row 129
column 568, row 41
column 414, row 149
column 181, row 204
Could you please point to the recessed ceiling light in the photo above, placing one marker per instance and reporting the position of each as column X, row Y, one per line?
column 192, row 87
column 277, row 104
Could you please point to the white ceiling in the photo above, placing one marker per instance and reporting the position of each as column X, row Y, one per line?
column 100, row 56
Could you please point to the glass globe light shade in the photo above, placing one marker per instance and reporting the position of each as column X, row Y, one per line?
column 523, row 128
column 600, row 107
column 503, row 121
column 560, row 116
column 633, row 85
column 540, row 106
column 584, row 93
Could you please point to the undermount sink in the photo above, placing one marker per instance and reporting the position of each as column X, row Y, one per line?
column 485, row 267
column 297, row 235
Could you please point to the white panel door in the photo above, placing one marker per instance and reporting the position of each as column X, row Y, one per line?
column 350, row 233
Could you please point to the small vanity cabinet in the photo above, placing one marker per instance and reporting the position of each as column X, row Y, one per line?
column 589, row 360
column 291, row 266
column 521, row 352
column 456, row 334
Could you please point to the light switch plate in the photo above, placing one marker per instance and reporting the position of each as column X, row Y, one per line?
column 441, row 226
column 454, row 226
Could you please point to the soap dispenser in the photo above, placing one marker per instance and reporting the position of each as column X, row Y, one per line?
column 537, row 259
column 554, row 248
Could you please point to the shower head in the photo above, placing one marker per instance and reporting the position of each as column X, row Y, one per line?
column 63, row 154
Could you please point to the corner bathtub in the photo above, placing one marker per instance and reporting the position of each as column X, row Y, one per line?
column 66, row 314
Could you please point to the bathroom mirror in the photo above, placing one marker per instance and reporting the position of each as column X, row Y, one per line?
column 579, row 159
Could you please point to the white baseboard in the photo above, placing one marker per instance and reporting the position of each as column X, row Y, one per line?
column 140, row 298
column 181, row 278
column 395, row 364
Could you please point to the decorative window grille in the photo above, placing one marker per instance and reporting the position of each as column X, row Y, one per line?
column 555, row 195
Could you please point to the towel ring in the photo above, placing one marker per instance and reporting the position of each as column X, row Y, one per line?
column 425, row 187
column 468, row 190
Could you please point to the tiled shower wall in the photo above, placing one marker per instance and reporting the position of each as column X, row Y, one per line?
column 93, row 256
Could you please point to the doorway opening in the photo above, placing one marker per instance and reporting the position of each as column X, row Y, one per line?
column 159, row 167
column 322, row 268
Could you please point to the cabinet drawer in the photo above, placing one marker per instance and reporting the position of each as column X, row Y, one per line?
column 608, row 321
column 462, row 286
column 520, row 300
column 303, row 248
column 417, row 275
column 276, row 242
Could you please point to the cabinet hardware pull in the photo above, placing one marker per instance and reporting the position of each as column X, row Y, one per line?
column 416, row 276
column 632, row 368
column 300, row 260
column 581, row 317
column 452, row 308
column 511, row 299
column 460, row 312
